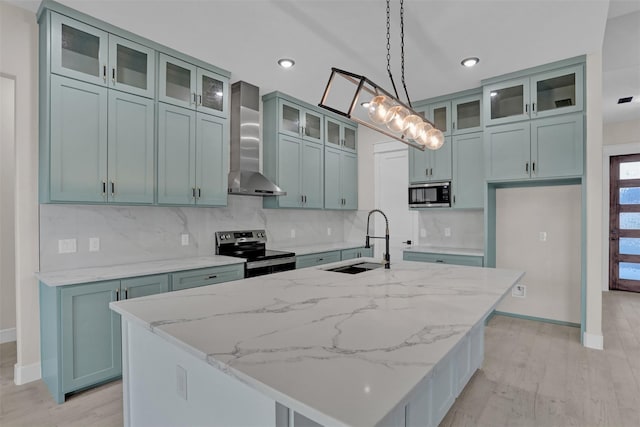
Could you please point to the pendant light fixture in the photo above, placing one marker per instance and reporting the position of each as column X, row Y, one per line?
column 386, row 113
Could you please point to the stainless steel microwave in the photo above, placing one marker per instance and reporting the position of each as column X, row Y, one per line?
column 430, row 195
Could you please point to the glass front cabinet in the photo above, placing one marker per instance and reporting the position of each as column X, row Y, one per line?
column 541, row 95
column 340, row 135
column 294, row 120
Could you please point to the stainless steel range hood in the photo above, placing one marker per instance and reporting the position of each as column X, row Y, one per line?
column 244, row 176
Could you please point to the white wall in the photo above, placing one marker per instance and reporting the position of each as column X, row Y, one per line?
column 552, row 267
column 18, row 56
column 622, row 132
column 7, row 194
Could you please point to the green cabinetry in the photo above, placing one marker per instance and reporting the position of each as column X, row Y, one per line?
column 294, row 119
column 469, row 260
column 339, row 134
column 319, row 258
column 430, row 165
column 468, row 171
column 340, row 179
column 356, row 253
column 206, row 276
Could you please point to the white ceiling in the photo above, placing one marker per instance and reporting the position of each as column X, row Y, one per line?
column 247, row 37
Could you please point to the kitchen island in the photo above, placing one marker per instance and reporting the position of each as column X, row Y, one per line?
column 309, row 347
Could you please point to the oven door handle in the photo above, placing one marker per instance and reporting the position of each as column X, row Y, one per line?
column 270, row 262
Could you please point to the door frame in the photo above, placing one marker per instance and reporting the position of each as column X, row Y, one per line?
column 609, row 151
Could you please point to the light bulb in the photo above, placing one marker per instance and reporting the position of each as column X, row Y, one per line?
column 378, row 108
column 423, row 130
column 396, row 118
column 435, row 139
column 412, row 129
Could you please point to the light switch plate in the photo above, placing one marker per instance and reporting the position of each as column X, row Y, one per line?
column 423, row 232
column 94, row 244
column 328, row 231
column 447, row 232
column 67, row 246
column 293, row 233
column 543, row 236
column 185, row 240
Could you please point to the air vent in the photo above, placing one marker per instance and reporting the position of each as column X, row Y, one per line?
column 625, row 100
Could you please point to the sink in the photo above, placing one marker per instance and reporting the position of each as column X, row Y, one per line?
column 360, row 267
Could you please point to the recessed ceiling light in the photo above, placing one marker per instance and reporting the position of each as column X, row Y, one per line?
column 625, row 100
column 286, row 63
column 470, row 62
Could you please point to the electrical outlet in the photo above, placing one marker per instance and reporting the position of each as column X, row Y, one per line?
column 66, row 246
column 543, row 236
column 447, row 232
column 328, row 231
column 185, row 240
column 423, row 232
column 293, row 233
column 94, row 244
column 181, row 382
column 519, row 290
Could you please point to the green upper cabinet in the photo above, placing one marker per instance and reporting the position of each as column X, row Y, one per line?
column 468, row 171
column 192, row 152
column 430, row 165
column 540, row 95
column 340, row 135
column 541, row 149
column 295, row 120
column 186, row 85
column 440, row 115
column 340, row 179
column 466, row 114
column 89, row 54
column 93, row 159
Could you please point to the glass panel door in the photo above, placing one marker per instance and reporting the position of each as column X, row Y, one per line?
column 557, row 92
column 78, row 50
column 624, row 234
column 290, row 119
column 177, row 82
column 466, row 115
column 350, row 138
column 333, row 133
column 212, row 93
column 312, row 126
column 132, row 67
column 440, row 115
column 506, row 102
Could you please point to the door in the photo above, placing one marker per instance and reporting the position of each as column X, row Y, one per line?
column 441, row 116
column 557, row 92
column 289, row 118
column 333, row 133
column 557, row 146
column 176, row 155
column 468, row 171
column 349, row 178
column 441, row 162
column 78, row 141
column 177, row 82
column 90, row 334
column 332, row 179
column 131, row 67
column 312, row 128
column 213, row 93
column 508, row 151
column 143, row 286
column 212, row 155
column 312, row 175
column 78, row 50
column 466, row 115
column 289, row 176
column 131, row 148
column 624, row 234
column 419, row 162
column 506, row 102
column 349, row 138
column 391, row 197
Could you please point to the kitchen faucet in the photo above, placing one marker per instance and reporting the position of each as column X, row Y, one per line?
column 387, row 257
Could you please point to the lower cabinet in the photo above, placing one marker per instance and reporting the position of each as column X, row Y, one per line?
column 80, row 337
column 470, row 260
column 320, row 258
column 356, row 253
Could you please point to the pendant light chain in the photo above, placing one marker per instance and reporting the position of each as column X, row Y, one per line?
column 402, row 50
column 389, row 49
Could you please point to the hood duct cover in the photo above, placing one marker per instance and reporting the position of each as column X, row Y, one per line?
column 244, row 177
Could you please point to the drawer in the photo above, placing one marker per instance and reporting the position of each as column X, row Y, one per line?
column 356, row 253
column 470, row 260
column 206, row 276
column 311, row 260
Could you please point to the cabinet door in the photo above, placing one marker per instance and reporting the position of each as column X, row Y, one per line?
column 441, row 116
column 466, row 114
column 333, row 132
column 131, row 67
column 557, row 92
column 468, row 171
column 177, row 82
column 419, row 162
column 349, row 253
column 312, row 128
column 290, row 118
column 90, row 334
column 143, row 286
column 507, row 154
column 289, row 171
column 78, row 50
column 506, row 102
column 349, row 138
column 312, row 175
column 176, row 155
column 78, row 141
column 557, row 145
column 303, row 261
column 206, row 276
column 213, row 93
column 441, row 162
column 131, row 148
column 212, row 153
column 349, row 178
column 332, row 179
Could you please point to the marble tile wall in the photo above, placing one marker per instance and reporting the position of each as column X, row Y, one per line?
column 145, row 233
column 467, row 228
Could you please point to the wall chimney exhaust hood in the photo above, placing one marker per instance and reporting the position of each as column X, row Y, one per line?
column 244, row 176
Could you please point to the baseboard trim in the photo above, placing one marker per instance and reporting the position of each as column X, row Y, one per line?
column 7, row 335
column 26, row 374
column 537, row 319
column 595, row 341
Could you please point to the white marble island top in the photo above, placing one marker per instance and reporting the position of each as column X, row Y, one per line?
column 345, row 347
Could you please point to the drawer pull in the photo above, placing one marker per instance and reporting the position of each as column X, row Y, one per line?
column 117, row 294
column 126, row 293
column 213, row 276
column 440, row 261
column 320, row 259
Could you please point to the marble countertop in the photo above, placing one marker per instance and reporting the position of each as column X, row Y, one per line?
column 349, row 346
column 317, row 248
column 445, row 250
column 96, row 274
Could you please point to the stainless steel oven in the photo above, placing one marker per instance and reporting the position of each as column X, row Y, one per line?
column 251, row 245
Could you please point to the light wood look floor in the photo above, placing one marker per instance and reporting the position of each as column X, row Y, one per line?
column 534, row 374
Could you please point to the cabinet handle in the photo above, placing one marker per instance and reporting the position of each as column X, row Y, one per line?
column 440, row 261
column 533, row 167
column 104, row 188
column 533, row 107
column 199, row 192
column 199, row 99
column 104, row 72
column 526, row 167
column 526, row 108
column 431, row 171
column 453, row 125
column 213, row 276
column 454, row 199
column 126, row 293
column 426, row 171
column 320, row 259
column 113, row 188
column 117, row 294
column 193, row 192
column 301, row 198
column 113, row 75
column 194, row 98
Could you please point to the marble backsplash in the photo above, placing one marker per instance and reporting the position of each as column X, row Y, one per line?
column 131, row 234
column 466, row 228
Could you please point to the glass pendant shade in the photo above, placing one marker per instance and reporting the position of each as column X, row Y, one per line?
column 435, row 139
column 413, row 124
column 379, row 108
column 423, row 131
column 396, row 118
